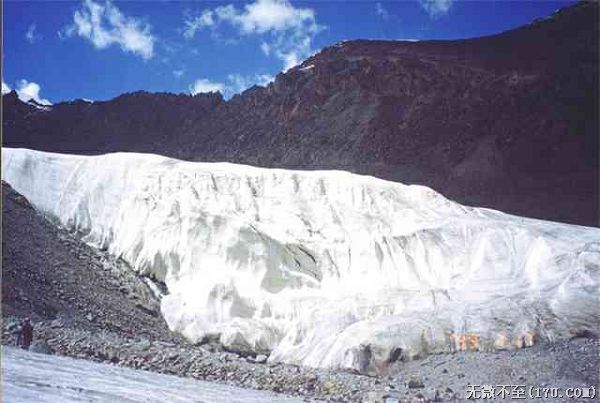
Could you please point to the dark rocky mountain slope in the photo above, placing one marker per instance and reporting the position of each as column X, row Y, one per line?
column 49, row 274
column 508, row 121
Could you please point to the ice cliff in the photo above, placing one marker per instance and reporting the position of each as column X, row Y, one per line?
column 322, row 268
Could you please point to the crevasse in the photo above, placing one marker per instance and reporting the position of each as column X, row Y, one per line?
column 321, row 268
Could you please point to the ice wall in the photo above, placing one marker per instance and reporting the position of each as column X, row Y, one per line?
column 322, row 268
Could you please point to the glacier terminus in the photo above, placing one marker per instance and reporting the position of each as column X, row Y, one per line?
column 321, row 268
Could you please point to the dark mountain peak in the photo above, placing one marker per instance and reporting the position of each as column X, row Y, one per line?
column 11, row 96
column 508, row 121
column 567, row 31
column 210, row 97
column 14, row 108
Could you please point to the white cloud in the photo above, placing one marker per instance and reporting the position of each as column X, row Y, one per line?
column 289, row 30
column 29, row 91
column 264, row 79
column 195, row 24
column 178, row 73
column 238, row 83
column 436, row 8
column 5, row 88
column 204, row 85
column 234, row 84
column 31, row 35
column 103, row 25
column 381, row 11
column 266, row 49
column 290, row 59
column 269, row 15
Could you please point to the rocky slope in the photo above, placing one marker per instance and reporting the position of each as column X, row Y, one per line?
column 507, row 121
column 50, row 275
column 137, row 121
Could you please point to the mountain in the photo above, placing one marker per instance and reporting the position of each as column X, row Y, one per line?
column 138, row 121
column 321, row 269
column 508, row 121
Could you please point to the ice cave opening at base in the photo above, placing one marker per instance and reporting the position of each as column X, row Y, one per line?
column 321, row 268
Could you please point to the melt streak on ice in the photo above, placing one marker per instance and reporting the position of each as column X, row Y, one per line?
column 321, row 268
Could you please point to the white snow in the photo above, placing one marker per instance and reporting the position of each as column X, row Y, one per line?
column 322, row 268
column 306, row 68
column 39, row 106
column 29, row 377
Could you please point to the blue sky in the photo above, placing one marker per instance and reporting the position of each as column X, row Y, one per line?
column 63, row 50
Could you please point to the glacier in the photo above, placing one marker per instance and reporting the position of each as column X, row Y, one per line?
column 321, row 268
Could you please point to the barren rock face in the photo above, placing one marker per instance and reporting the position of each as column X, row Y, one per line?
column 508, row 121
column 325, row 268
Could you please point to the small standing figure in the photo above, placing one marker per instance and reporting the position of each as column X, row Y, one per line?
column 25, row 334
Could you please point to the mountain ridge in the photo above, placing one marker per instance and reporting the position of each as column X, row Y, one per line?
column 506, row 121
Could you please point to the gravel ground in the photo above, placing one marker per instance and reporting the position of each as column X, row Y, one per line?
column 444, row 377
column 87, row 304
